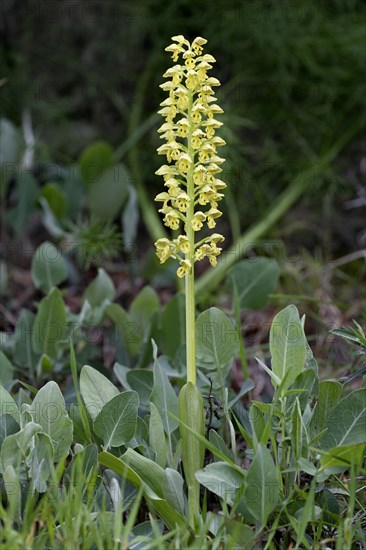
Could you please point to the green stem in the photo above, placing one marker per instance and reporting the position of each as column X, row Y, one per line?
column 190, row 398
column 190, row 329
column 190, row 294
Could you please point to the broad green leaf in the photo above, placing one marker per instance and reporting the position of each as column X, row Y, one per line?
column 162, row 508
column 8, row 405
column 150, row 472
column 347, row 423
column 116, row 422
column 222, row 479
column 86, row 429
column 121, row 491
column 142, row 381
column 329, row 503
column 257, row 423
column 120, row 467
column 48, row 410
column 241, row 533
column 73, row 189
column 13, row 492
column 330, row 392
column 96, row 390
column 343, row 456
column 8, row 426
column 40, row 462
column 157, row 436
column 100, row 289
column 48, row 267
column 94, row 160
column 262, row 489
column 310, row 360
column 10, row 143
column 305, row 386
column 217, row 339
column 129, row 331
column 307, row 466
column 15, row 446
column 142, row 310
column 217, row 440
column 27, row 192
column 173, row 490
column 56, row 199
column 121, row 373
column 173, row 325
column 164, row 398
column 107, row 194
column 50, row 221
column 44, row 365
column 49, row 324
column 146, row 529
column 23, row 350
column 255, row 279
column 141, row 436
column 6, row 370
column 287, row 345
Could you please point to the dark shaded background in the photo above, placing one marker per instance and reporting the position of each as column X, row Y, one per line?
column 292, row 75
column 293, row 89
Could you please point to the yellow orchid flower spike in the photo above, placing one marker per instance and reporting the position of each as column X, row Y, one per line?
column 191, row 151
column 190, row 205
column 190, row 147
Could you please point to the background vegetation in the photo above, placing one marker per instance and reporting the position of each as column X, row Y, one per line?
column 79, row 86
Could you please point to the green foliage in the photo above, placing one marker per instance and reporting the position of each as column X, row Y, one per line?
column 287, row 346
column 285, row 482
column 6, row 370
column 94, row 242
column 96, row 390
column 56, row 200
column 48, row 410
column 27, row 193
column 95, row 460
column 100, row 290
column 116, row 422
column 10, row 147
column 254, row 281
column 346, row 424
column 217, row 340
column 48, row 267
column 262, row 489
column 94, row 160
column 49, row 324
column 192, row 422
column 164, row 398
column 107, row 195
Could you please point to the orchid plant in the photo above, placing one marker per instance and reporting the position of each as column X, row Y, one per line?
column 190, row 203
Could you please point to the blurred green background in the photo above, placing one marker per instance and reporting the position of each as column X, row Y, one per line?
column 293, row 91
